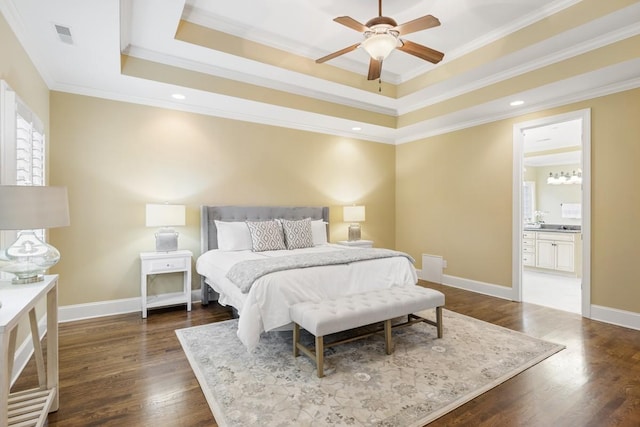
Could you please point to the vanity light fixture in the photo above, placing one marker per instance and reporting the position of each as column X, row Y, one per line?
column 565, row 178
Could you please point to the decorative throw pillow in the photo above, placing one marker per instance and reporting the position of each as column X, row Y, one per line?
column 297, row 234
column 266, row 236
column 319, row 232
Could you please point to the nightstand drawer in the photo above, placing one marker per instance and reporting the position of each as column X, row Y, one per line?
column 161, row 265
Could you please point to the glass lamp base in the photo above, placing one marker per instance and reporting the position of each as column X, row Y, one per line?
column 166, row 240
column 25, row 280
column 354, row 232
column 28, row 258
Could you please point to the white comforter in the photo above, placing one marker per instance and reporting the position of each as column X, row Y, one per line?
column 266, row 306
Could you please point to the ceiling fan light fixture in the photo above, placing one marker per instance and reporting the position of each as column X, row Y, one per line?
column 382, row 36
column 380, row 45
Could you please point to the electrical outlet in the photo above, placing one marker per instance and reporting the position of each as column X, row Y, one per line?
column 444, row 263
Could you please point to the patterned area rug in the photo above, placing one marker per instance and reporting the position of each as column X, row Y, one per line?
column 423, row 379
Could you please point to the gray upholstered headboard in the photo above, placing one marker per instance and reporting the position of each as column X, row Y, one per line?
column 208, row 214
column 209, row 233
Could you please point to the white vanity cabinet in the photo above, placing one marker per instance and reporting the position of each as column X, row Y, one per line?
column 529, row 248
column 556, row 251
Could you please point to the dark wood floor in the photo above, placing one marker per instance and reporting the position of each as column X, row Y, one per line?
column 126, row 371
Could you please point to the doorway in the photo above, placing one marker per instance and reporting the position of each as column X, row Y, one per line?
column 551, row 212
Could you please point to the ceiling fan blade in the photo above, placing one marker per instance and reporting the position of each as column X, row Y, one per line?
column 375, row 69
column 420, row 51
column 348, row 21
column 338, row 53
column 428, row 21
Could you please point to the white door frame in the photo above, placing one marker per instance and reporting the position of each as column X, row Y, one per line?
column 518, row 160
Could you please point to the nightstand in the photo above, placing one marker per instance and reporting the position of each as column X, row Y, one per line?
column 357, row 243
column 161, row 263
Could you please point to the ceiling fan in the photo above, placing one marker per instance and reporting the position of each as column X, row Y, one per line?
column 382, row 36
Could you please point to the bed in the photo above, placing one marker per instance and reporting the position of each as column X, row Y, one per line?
column 264, row 305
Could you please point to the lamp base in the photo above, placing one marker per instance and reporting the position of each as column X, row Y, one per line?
column 354, row 232
column 25, row 280
column 166, row 240
column 28, row 258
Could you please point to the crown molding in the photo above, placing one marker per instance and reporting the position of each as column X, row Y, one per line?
column 590, row 93
column 283, row 80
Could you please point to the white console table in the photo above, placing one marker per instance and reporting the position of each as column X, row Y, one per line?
column 28, row 408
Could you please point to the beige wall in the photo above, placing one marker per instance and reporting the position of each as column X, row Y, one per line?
column 454, row 198
column 19, row 72
column 453, row 195
column 115, row 157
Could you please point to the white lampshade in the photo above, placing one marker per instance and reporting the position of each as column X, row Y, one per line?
column 165, row 215
column 379, row 46
column 33, row 207
column 28, row 208
column 353, row 214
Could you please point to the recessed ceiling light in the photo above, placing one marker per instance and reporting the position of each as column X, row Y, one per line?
column 516, row 103
column 178, row 96
column 356, row 128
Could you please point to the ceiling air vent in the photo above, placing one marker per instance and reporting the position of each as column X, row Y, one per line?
column 64, row 33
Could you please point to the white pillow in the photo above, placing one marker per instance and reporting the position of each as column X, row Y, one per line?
column 319, row 232
column 233, row 236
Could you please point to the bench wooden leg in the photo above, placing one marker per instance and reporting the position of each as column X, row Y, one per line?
column 320, row 356
column 388, row 343
column 439, row 321
column 296, row 339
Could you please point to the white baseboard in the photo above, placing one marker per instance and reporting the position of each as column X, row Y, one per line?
column 70, row 313
column 478, row 287
column 627, row 319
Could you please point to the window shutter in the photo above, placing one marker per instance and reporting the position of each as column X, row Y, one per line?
column 22, row 148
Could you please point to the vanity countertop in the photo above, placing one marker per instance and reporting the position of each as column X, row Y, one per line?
column 555, row 228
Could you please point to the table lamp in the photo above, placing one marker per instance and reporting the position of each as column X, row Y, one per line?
column 26, row 209
column 165, row 216
column 354, row 215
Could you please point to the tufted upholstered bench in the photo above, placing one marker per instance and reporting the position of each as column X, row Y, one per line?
column 361, row 309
